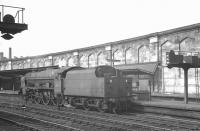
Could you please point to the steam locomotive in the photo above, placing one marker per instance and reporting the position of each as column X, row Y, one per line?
column 103, row 88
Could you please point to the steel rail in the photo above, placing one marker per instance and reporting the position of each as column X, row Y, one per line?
column 102, row 122
column 155, row 119
column 19, row 124
column 39, row 120
column 119, row 122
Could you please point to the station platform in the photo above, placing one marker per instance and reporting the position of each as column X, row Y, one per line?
column 169, row 107
column 192, row 98
column 171, row 104
column 11, row 92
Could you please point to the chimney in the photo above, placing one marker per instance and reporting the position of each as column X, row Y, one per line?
column 10, row 53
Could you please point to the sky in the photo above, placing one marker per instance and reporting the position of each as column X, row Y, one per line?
column 61, row 25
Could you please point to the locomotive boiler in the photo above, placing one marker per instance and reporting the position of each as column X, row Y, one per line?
column 103, row 87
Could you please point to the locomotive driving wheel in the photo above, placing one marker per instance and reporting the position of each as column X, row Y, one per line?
column 52, row 100
column 32, row 98
column 46, row 98
column 114, row 109
column 38, row 98
column 86, row 104
column 101, row 106
column 72, row 102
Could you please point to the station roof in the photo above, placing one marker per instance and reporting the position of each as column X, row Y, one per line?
column 18, row 72
column 135, row 69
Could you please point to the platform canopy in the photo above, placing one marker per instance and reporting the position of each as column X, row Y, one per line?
column 19, row 72
column 141, row 69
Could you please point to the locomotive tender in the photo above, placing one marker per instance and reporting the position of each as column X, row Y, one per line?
column 102, row 87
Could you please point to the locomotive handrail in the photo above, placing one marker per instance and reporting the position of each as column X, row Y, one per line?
column 39, row 88
column 40, row 78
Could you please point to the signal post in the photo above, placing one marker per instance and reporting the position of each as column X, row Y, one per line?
column 11, row 22
column 184, row 62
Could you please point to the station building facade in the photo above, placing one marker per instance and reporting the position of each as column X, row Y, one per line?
column 143, row 58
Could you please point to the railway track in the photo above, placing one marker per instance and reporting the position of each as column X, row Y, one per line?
column 7, row 125
column 163, row 122
column 83, row 120
column 104, row 121
column 123, row 122
column 30, row 123
column 167, row 121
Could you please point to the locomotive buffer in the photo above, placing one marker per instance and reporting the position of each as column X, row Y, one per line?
column 184, row 62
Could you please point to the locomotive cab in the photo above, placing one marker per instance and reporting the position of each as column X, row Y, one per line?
column 118, row 90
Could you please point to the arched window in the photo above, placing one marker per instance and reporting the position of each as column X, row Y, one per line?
column 41, row 63
column 47, row 62
column 118, row 57
column 71, row 62
column 166, row 48
column 153, row 52
column 55, row 60
column 62, row 62
column 131, row 55
column 34, row 64
column 102, row 56
column 144, row 53
column 187, row 44
column 27, row 64
column 84, row 61
column 15, row 65
column 8, row 66
column 4, row 66
column 91, row 60
column 148, row 53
